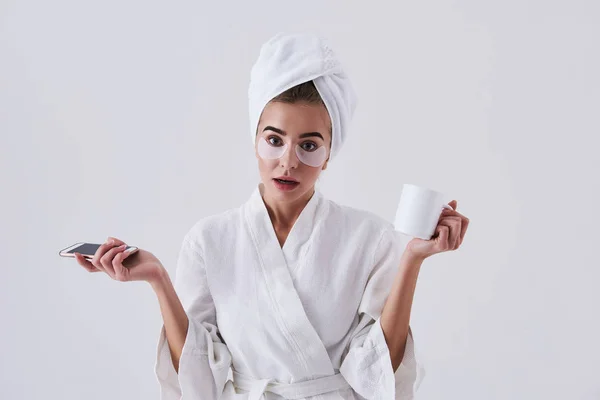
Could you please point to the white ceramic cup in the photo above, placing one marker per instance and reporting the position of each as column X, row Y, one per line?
column 419, row 211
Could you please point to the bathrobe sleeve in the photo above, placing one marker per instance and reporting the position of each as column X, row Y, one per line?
column 205, row 359
column 367, row 366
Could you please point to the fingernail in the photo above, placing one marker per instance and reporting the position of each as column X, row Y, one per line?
column 122, row 246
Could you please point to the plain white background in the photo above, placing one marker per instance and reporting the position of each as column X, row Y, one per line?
column 129, row 119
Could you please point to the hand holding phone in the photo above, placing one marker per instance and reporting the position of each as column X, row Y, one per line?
column 120, row 261
column 87, row 250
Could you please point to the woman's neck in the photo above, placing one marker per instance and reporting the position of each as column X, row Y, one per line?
column 284, row 214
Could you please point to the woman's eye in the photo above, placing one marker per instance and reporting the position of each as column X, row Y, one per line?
column 309, row 146
column 274, row 141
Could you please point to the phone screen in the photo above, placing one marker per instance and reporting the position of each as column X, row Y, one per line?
column 88, row 250
column 85, row 249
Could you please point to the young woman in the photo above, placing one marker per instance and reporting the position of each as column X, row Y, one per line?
column 291, row 295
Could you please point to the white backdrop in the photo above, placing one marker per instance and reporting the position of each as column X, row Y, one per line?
column 128, row 119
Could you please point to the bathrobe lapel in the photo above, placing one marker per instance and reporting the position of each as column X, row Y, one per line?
column 304, row 342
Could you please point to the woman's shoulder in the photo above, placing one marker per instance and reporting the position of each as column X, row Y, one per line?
column 212, row 227
column 352, row 223
column 357, row 219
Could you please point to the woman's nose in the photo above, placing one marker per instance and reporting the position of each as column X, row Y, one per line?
column 289, row 159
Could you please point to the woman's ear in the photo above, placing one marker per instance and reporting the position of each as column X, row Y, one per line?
column 324, row 167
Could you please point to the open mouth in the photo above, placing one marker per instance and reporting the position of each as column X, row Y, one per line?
column 284, row 182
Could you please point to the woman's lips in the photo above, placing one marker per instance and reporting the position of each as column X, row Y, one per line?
column 285, row 185
column 286, row 178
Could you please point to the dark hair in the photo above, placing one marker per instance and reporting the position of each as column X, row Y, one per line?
column 305, row 92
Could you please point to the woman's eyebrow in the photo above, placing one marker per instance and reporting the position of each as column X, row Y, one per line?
column 282, row 132
column 312, row 134
column 276, row 130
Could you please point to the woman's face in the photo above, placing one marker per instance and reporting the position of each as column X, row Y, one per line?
column 286, row 126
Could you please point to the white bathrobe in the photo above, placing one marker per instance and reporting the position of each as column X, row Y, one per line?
column 298, row 322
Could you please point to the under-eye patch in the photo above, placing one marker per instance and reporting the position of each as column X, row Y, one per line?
column 268, row 152
column 314, row 158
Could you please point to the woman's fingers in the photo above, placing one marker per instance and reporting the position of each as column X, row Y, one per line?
column 121, row 272
column 453, row 204
column 454, row 226
column 85, row 263
column 117, row 242
column 107, row 260
column 464, row 223
column 443, row 232
column 100, row 252
column 105, row 247
column 463, row 229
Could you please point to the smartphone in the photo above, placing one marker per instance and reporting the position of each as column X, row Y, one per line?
column 87, row 250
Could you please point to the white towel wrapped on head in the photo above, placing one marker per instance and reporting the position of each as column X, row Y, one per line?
column 287, row 60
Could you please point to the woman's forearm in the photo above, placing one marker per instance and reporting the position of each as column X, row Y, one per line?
column 395, row 316
column 174, row 317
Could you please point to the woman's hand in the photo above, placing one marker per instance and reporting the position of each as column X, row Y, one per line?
column 448, row 235
column 123, row 266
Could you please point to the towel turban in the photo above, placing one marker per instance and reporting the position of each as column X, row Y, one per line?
column 287, row 60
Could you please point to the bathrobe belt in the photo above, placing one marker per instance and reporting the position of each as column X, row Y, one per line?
column 297, row 390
